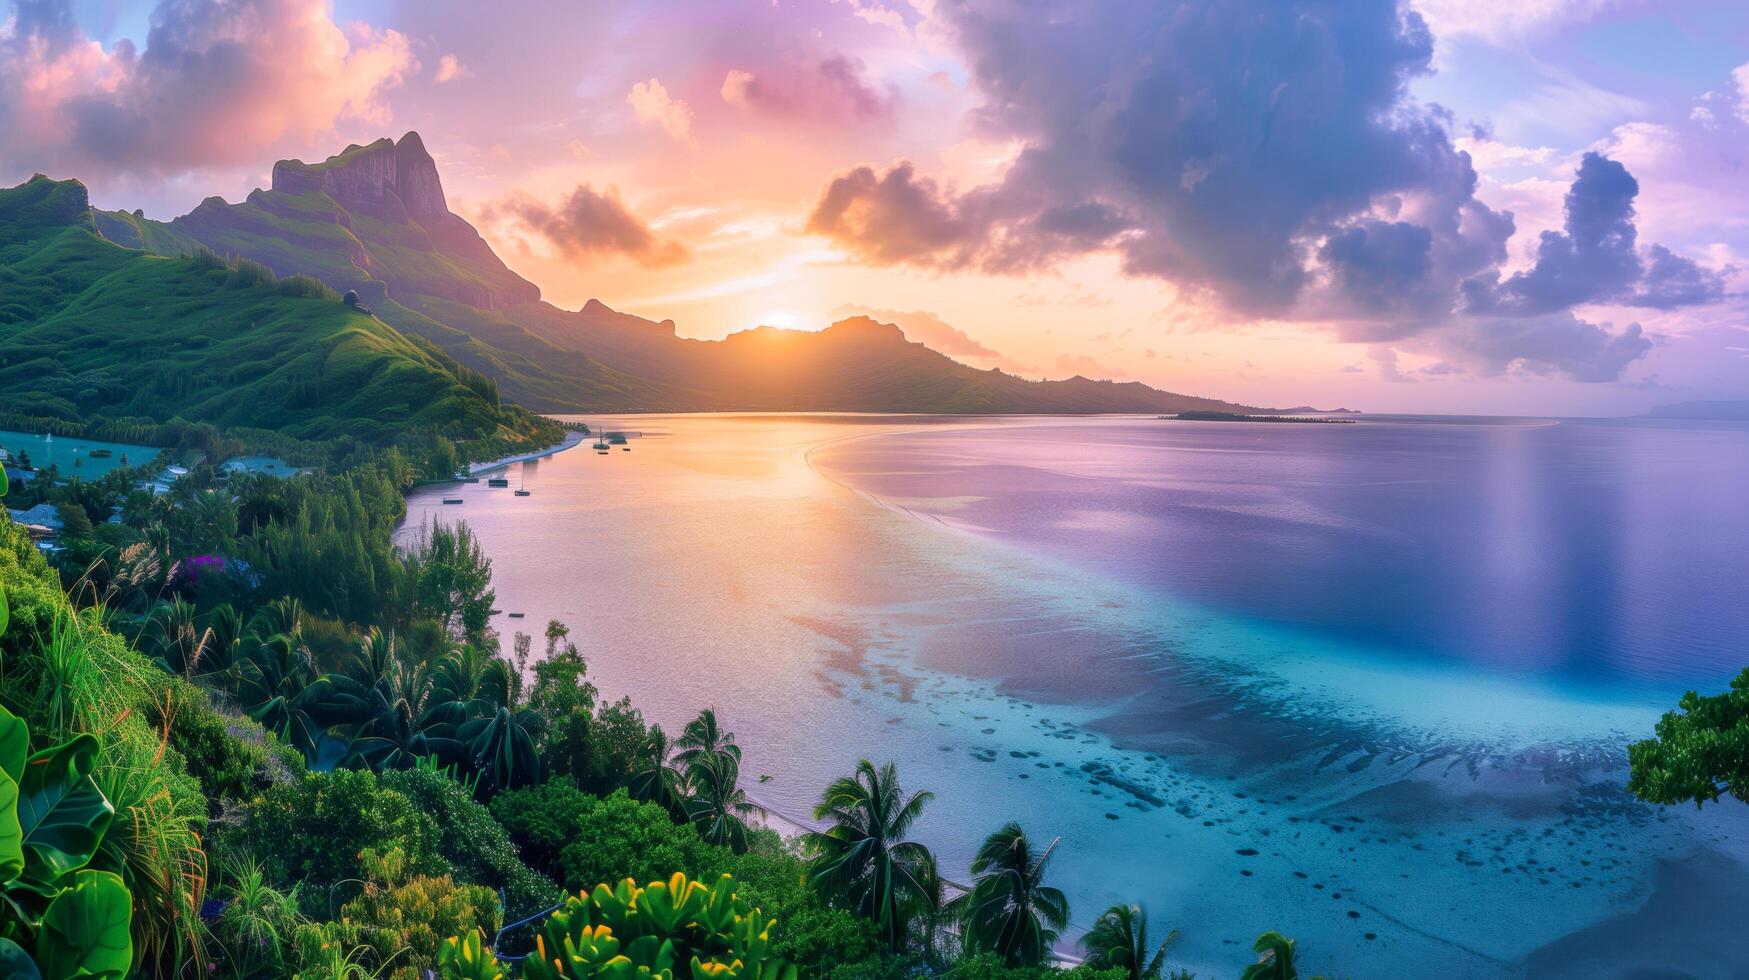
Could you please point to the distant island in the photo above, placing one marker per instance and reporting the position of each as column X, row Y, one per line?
column 1237, row 417
column 1725, row 411
column 374, row 221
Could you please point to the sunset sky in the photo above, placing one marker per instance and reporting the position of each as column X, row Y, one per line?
column 1494, row 207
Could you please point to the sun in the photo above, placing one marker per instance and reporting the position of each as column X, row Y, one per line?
column 779, row 318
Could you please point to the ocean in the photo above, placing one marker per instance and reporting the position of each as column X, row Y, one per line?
column 1369, row 685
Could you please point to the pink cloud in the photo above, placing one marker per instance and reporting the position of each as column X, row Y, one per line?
column 216, row 84
column 652, row 104
column 832, row 89
column 590, row 223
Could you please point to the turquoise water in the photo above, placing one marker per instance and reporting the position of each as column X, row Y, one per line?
column 270, row 465
column 73, row 456
column 1371, row 692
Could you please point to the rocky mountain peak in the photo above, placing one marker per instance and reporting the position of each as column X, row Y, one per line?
column 372, row 178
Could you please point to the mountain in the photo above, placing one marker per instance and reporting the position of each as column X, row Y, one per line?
column 374, row 220
column 95, row 333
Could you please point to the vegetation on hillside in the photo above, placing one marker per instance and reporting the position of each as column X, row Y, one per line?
column 99, row 338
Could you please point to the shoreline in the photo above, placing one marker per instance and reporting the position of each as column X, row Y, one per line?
column 572, row 439
column 1351, row 855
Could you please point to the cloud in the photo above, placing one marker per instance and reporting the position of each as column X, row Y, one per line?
column 1596, row 258
column 1265, row 157
column 1740, row 76
column 832, row 89
column 650, row 101
column 1206, row 141
column 589, row 223
column 216, row 83
column 896, row 217
column 449, row 68
column 1503, row 20
column 1556, row 343
column 925, row 328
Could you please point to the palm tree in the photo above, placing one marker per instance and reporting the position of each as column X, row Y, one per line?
column 472, row 672
column 1120, row 940
column 863, row 858
column 656, row 779
column 1275, row 959
column 1010, row 911
column 282, row 616
column 704, row 738
column 279, row 688
column 404, row 716
column 716, row 805
column 502, row 747
column 373, row 660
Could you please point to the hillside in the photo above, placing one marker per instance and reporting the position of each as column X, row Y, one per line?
column 92, row 332
column 374, row 219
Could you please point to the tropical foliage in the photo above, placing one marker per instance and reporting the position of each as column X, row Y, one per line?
column 863, row 857
column 1010, row 912
column 1700, row 753
column 676, row 929
column 1119, row 939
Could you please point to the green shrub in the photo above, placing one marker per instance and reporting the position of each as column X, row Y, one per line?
column 814, row 936
column 254, row 933
column 394, row 927
column 231, row 756
column 476, row 846
column 306, row 287
column 600, row 839
column 541, row 820
column 674, row 928
column 988, row 966
column 312, row 832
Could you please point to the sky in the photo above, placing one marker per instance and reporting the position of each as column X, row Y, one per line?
column 1468, row 206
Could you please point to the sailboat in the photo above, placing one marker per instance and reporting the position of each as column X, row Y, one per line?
column 522, row 483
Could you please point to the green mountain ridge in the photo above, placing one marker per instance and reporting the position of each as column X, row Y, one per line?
column 96, row 333
column 374, row 219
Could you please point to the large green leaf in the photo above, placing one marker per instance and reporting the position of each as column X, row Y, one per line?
column 11, row 834
column 60, row 809
column 15, row 963
column 85, row 931
column 14, row 738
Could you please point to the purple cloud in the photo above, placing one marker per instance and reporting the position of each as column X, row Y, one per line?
column 833, row 89
column 1596, row 259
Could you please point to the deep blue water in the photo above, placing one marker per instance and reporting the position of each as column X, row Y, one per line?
column 1612, row 554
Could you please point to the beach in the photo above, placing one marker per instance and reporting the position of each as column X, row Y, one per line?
column 572, row 439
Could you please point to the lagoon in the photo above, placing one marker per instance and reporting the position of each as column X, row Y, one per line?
column 1367, row 684
column 73, row 455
